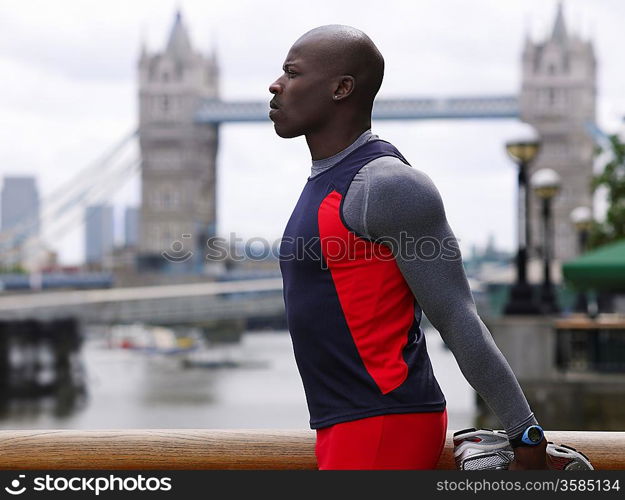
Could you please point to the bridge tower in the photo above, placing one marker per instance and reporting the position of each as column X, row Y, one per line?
column 178, row 155
column 558, row 98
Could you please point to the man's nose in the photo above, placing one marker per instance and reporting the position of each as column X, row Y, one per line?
column 275, row 87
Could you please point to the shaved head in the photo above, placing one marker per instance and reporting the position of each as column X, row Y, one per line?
column 343, row 50
column 329, row 80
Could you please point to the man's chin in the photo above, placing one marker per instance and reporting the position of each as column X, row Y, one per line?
column 286, row 133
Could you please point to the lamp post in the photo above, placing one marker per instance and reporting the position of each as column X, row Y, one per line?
column 546, row 184
column 582, row 220
column 522, row 151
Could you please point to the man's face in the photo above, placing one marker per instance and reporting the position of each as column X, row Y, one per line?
column 302, row 100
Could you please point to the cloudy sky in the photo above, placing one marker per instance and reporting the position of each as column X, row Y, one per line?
column 68, row 93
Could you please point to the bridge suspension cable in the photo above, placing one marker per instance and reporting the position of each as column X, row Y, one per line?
column 91, row 184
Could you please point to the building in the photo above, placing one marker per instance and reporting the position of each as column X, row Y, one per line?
column 20, row 206
column 99, row 236
column 558, row 95
column 131, row 226
column 179, row 156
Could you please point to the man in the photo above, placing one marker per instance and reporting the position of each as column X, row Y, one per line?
column 366, row 250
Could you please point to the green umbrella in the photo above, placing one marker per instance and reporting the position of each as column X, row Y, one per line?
column 600, row 269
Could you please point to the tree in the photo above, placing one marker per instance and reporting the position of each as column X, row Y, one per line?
column 613, row 179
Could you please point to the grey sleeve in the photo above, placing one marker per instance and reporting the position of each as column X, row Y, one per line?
column 401, row 207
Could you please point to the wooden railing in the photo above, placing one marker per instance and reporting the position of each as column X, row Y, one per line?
column 173, row 449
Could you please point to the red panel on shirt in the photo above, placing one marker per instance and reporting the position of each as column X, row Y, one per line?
column 377, row 303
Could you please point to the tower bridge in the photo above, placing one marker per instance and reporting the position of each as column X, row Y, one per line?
column 180, row 113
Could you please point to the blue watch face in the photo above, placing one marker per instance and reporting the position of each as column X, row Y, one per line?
column 534, row 434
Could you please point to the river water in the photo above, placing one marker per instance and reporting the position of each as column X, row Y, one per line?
column 130, row 389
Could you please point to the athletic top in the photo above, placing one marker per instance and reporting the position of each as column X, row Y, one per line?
column 387, row 199
column 354, row 322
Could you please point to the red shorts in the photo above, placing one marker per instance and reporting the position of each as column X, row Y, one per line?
column 394, row 441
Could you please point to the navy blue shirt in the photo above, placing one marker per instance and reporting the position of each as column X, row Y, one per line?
column 353, row 320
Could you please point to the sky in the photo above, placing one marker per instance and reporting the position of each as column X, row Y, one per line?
column 68, row 94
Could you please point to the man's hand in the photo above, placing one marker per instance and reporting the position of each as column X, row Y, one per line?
column 531, row 457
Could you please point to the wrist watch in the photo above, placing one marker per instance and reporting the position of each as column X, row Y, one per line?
column 531, row 436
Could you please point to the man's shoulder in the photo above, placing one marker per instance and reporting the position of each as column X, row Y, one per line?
column 400, row 198
column 389, row 175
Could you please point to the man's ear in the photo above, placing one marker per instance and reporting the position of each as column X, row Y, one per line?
column 344, row 87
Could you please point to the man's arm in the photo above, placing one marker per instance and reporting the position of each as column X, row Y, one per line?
column 398, row 203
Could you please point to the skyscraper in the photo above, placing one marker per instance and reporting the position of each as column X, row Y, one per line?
column 131, row 226
column 98, row 233
column 20, row 206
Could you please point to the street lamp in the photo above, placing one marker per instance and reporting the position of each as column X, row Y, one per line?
column 582, row 220
column 522, row 151
column 546, row 184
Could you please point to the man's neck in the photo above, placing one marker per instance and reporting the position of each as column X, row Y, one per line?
column 320, row 166
column 330, row 142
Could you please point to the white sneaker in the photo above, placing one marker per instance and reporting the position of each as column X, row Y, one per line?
column 485, row 449
column 482, row 449
column 566, row 458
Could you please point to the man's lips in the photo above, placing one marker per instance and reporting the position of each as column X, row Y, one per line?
column 273, row 110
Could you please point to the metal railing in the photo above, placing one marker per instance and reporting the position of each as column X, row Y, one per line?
column 590, row 345
column 193, row 449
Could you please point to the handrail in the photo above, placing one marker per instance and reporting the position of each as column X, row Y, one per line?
column 177, row 449
column 612, row 322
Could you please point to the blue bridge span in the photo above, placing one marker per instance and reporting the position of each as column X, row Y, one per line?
column 441, row 108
